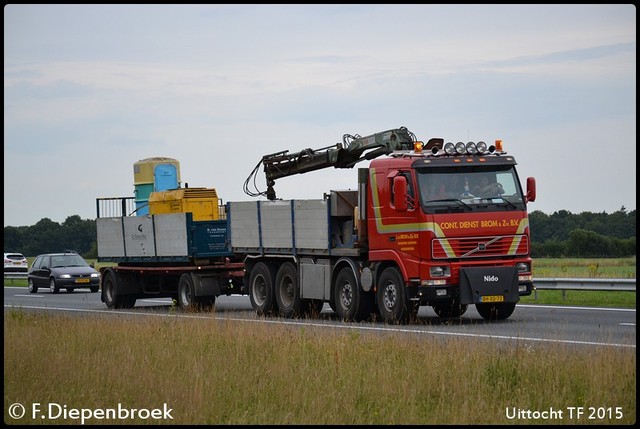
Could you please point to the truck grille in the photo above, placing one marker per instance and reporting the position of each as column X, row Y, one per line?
column 480, row 247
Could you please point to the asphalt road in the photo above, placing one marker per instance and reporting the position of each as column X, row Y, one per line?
column 540, row 324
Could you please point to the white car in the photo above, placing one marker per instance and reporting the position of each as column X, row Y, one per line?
column 15, row 263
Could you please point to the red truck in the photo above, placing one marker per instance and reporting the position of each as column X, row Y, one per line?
column 435, row 224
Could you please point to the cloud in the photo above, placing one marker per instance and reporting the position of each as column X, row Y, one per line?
column 91, row 89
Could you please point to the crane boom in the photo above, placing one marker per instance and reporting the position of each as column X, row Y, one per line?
column 352, row 150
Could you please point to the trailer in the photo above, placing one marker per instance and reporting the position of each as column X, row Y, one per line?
column 438, row 224
column 165, row 255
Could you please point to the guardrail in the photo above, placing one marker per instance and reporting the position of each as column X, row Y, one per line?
column 566, row 284
column 16, row 276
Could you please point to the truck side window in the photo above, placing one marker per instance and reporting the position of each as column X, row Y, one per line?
column 410, row 190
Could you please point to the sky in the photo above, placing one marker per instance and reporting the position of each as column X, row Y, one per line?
column 89, row 90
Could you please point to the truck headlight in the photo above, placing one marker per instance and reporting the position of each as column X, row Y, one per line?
column 442, row 271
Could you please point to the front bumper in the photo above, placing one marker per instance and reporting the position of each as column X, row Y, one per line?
column 428, row 295
column 78, row 282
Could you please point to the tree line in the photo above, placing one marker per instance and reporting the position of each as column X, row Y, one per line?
column 561, row 234
column 585, row 235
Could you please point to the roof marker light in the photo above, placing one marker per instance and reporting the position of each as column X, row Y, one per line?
column 482, row 147
column 449, row 148
column 471, row 148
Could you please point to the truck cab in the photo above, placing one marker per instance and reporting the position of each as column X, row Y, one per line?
column 454, row 223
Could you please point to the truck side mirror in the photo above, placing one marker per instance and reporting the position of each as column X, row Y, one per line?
column 400, row 193
column 531, row 189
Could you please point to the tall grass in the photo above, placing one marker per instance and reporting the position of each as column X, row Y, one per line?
column 228, row 372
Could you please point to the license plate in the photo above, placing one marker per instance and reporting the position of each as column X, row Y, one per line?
column 82, row 280
column 492, row 298
column 17, row 263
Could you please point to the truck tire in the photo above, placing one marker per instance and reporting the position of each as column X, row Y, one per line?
column 497, row 311
column 287, row 291
column 352, row 303
column 393, row 302
column 110, row 295
column 261, row 289
column 450, row 308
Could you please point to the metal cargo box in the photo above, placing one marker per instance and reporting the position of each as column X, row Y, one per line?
column 201, row 202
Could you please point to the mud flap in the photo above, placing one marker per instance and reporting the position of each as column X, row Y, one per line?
column 488, row 285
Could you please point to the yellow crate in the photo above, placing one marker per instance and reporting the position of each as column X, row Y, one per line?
column 201, row 202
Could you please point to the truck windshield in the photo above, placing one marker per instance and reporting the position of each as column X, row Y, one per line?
column 472, row 188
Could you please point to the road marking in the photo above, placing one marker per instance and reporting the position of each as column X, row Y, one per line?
column 324, row 325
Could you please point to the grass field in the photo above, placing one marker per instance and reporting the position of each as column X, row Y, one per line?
column 234, row 373
column 228, row 372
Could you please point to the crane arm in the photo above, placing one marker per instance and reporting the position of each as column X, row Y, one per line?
column 352, row 150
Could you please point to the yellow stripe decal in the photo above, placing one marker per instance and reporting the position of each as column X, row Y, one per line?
column 524, row 223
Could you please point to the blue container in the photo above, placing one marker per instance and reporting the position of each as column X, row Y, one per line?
column 153, row 174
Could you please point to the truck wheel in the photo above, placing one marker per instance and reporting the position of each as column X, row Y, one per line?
column 332, row 305
column 287, row 290
column 451, row 308
column 261, row 289
column 186, row 296
column 393, row 303
column 499, row 311
column 352, row 303
column 110, row 296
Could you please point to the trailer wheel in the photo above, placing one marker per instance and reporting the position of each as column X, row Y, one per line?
column 393, row 302
column 450, row 308
column 110, row 296
column 287, row 290
column 352, row 303
column 187, row 299
column 261, row 289
column 206, row 302
column 186, row 296
column 499, row 311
